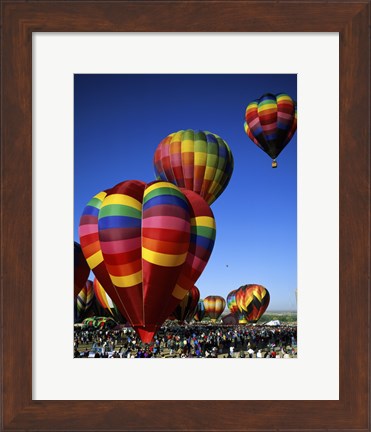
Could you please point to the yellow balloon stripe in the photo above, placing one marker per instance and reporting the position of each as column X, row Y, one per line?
column 94, row 260
column 209, row 173
column 284, row 98
column 200, row 158
column 100, row 196
column 127, row 281
column 187, row 146
column 179, row 292
column 159, row 185
column 165, row 260
column 122, row 200
column 205, row 221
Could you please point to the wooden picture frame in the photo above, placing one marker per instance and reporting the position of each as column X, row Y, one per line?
column 19, row 20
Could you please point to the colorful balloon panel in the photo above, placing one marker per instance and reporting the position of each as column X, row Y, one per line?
column 85, row 298
column 270, row 122
column 81, row 269
column 196, row 160
column 140, row 241
column 203, row 233
column 103, row 298
column 90, row 244
column 187, row 307
column 231, row 302
column 214, row 307
column 252, row 301
column 200, row 311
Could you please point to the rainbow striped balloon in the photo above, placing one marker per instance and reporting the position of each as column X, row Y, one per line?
column 252, row 301
column 214, row 307
column 231, row 302
column 197, row 160
column 147, row 245
column 270, row 122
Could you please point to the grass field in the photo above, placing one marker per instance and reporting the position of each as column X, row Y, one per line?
column 284, row 317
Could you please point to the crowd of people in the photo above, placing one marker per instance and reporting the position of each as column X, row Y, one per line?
column 190, row 341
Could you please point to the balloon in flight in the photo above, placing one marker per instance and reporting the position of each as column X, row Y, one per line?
column 270, row 122
column 196, row 160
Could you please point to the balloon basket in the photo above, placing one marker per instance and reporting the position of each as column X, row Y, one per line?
column 274, row 164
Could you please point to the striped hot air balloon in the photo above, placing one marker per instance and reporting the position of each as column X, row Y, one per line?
column 196, row 160
column 270, row 122
column 252, row 301
column 85, row 299
column 231, row 302
column 214, row 307
column 232, row 305
column 147, row 244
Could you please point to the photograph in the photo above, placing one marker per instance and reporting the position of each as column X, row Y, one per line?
column 185, row 216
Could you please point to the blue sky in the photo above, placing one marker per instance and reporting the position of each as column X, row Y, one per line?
column 120, row 119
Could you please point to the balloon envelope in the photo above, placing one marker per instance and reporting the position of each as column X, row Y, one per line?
column 147, row 245
column 214, row 307
column 187, row 307
column 252, row 301
column 81, row 268
column 85, row 298
column 270, row 122
column 196, row 160
column 105, row 301
column 200, row 311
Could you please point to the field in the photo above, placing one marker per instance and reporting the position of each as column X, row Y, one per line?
column 284, row 317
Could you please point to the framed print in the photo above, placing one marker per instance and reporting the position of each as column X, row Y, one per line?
column 53, row 78
column 127, row 398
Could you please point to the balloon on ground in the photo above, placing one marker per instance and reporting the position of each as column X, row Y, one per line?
column 85, row 298
column 252, row 301
column 214, row 307
column 200, row 311
column 147, row 244
column 81, row 269
column 187, row 307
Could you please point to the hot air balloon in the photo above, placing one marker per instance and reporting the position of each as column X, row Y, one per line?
column 85, row 298
column 231, row 302
column 81, row 268
column 252, row 301
column 196, row 160
column 200, row 311
column 147, row 244
column 232, row 305
column 214, row 307
column 270, row 122
column 187, row 307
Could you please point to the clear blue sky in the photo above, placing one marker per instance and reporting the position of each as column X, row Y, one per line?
column 120, row 120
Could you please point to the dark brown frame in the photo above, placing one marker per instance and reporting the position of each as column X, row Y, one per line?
column 19, row 20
